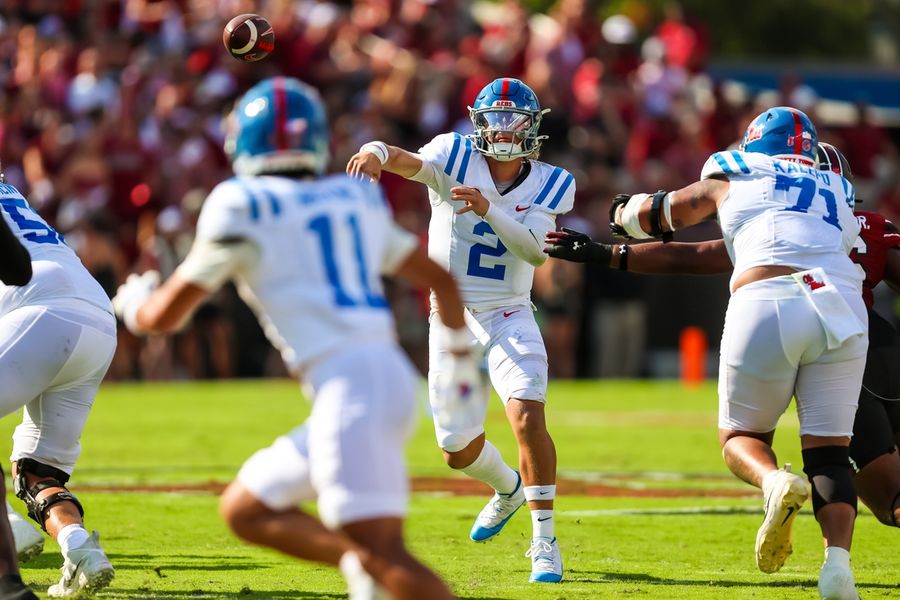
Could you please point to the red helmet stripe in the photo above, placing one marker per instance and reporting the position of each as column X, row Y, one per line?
column 280, row 114
column 504, row 88
column 798, row 133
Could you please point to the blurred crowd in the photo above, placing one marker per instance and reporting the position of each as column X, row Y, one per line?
column 111, row 118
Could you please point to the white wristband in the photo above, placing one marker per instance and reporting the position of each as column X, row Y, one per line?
column 667, row 210
column 378, row 149
column 631, row 221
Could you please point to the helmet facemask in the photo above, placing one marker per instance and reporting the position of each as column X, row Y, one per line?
column 507, row 133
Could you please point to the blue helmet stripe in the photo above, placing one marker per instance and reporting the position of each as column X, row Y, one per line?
column 740, row 162
column 549, row 185
column 453, row 152
column 461, row 175
column 561, row 191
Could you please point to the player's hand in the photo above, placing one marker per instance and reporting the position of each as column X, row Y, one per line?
column 364, row 165
column 132, row 295
column 576, row 246
column 457, row 393
column 475, row 200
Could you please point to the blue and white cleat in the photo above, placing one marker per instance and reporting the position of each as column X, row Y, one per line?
column 496, row 513
column 546, row 562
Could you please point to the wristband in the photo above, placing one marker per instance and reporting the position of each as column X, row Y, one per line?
column 623, row 257
column 378, row 149
column 630, row 217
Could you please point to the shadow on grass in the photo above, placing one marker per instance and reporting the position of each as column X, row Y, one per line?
column 582, row 576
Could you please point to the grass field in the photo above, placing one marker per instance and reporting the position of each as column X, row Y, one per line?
column 657, row 514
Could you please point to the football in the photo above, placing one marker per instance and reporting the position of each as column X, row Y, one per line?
column 249, row 37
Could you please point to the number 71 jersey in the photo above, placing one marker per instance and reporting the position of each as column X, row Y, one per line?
column 784, row 213
column 489, row 275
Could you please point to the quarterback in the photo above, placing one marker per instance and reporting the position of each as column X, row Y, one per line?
column 492, row 202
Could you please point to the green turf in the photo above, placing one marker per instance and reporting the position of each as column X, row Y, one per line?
column 639, row 435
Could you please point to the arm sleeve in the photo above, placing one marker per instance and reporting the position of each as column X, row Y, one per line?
column 444, row 157
column 211, row 263
column 15, row 268
column 522, row 239
column 400, row 244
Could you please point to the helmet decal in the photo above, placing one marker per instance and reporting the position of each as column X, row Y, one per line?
column 782, row 132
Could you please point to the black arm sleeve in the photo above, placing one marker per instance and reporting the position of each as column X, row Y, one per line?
column 15, row 262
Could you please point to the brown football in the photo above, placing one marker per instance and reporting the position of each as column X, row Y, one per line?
column 249, row 37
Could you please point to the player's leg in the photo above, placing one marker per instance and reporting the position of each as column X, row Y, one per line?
column 875, row 460
column 756, row 383
column 11, row 585
column 465, row 448
column 517, row 364
column 827, row 395
column 47, row 443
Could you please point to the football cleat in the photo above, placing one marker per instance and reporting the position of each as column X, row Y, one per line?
column 29, row 540
column 497, row 512
column 836, row 583
column 546, row 562
column 85, row 570
column 784, row 495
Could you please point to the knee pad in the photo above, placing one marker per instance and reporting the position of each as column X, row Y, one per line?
column 829, row 472
column 53, row 477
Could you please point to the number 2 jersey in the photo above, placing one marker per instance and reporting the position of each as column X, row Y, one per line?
column 59, row 278
column 306, row 256
column 783, row 213
column 489, row 275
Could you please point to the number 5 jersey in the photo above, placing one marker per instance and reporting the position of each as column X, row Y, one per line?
column 59, row 279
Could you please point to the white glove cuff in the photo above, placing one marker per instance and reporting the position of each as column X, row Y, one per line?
column 631, row 217
column 378, row 149
column 129, row 317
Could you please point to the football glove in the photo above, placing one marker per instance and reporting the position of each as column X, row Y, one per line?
column 575, row 246
column 131, row 295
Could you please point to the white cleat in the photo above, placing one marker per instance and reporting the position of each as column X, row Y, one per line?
column 29, row 540
column 85, row 570
column 360, row 584
column 546, row 561
column 499, row 509
column 836, row 583
column 784, row 495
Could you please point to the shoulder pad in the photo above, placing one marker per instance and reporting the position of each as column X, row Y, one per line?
column 450, row 153
column 733, row 163
column 557, row 192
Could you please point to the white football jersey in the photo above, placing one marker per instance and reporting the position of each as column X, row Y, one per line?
column 783, row 213
column 323, row 246
column 489, row 275
column 59, row 278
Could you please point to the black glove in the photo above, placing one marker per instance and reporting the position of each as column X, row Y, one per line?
column 618, row 230
column 575, row 246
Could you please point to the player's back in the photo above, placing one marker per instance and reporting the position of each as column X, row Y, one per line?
column 59, row 278
column 317, row 285
column 783, row 213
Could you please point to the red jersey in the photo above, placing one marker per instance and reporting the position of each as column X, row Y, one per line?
column 877, row 235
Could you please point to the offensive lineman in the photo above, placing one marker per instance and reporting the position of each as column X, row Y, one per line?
column 307, row 254
column 492, row 202
column 788, row 228
column 57, row 339
column 876, row 428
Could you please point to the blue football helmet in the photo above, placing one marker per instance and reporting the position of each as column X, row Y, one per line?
column 782, row 132
column 506, row 117
column 277, row 126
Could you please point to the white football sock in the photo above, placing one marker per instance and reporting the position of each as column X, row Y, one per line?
column 490, row 468
column 542, row 523
column 70, row 537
